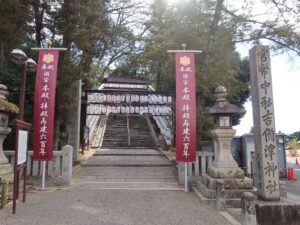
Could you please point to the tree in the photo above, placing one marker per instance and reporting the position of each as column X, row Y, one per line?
column 200, row 25
column 275, row 21
column 128, row 34
column 13, row 19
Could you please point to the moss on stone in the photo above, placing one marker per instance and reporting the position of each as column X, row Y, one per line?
column 6, row 106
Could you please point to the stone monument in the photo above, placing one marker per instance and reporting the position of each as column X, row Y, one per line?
column 267, row 169
column 6, row 169
column 267, row 180
column 224, row 172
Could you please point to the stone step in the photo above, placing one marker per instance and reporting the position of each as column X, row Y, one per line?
column 156, row 178
column 140, row 147
column 116, row 133
column 124, row 165
column 114, row 172
column 140, row 168
column 156, row 158
column 131, row 185
column 129, row 170
column 111, row 154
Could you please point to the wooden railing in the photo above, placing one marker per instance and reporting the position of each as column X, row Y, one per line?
column 195, row 170
column 34, row 168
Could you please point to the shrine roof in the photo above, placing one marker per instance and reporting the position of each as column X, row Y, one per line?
column 125, row 79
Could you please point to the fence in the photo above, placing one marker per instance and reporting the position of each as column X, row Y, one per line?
column 199, row 167
column 59, row 166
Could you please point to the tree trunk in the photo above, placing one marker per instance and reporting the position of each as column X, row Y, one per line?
column 38, row 9
column 211, row 37
column 2, row 49
column 158, row 78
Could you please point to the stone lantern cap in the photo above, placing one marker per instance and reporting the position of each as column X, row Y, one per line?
column 6, row 106
column 222, row 106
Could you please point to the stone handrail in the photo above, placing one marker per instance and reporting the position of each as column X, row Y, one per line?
column 165, row 130
column 199, row 167
column 128, row 129
column 60, row 166
column 98, row 134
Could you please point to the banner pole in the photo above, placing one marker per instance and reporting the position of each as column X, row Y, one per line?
column 185, row 178
column 185, row 108
column 43, row 174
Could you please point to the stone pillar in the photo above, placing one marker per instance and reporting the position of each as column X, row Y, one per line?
column 269, row 210
column 267, row 179
column 67, row 164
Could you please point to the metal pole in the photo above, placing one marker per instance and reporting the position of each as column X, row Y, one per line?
column 21, row 107
column 43, row 174
column 185, row 178
column 22, row 92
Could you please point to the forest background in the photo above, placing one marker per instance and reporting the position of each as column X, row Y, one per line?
column 132, row 37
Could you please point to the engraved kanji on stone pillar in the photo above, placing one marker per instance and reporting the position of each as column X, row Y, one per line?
column 267, row 171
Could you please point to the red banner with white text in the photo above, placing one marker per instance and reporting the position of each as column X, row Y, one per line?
column 44, row 102
column 185, row 108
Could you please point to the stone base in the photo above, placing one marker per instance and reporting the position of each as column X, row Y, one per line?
column 226, row 173
column 234, row 189
column 277, row 213
column 230, row 184
column 6, row 171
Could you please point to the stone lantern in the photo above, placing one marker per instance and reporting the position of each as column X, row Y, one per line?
column 224, row 166
column 224, row 177
column 6, row 107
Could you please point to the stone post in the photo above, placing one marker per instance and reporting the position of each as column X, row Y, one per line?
column 248, row 209
column 220, row 196
column 267, row 179
column 180, row 170
column 67, row 164
column 282, row 189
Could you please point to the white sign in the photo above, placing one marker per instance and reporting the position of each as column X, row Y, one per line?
column 22, row 146
column 224, row 121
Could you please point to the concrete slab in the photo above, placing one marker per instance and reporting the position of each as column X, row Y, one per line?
column 92, row 206
column 116, row 196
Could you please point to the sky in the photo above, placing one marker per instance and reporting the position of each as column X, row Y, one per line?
column 285, row 76
column 286, row 93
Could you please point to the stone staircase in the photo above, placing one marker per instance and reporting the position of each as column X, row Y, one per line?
column 127, row 131
column 140, row 135
column 116, row 133
column 128, row 168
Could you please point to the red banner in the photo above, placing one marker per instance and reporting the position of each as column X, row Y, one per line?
column 45, row 86
column 185, row 108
